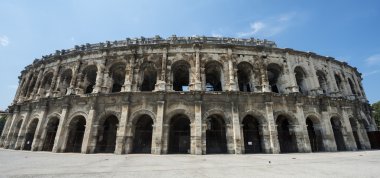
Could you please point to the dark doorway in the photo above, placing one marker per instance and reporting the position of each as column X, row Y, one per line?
column 179, row 140
column 142, row 142
column 355, row 129
column 273, row 73
column 216, row 141
column 77, row 128
column 315, row 138
column 180, row 76
column 149, row 75
column 51, row 132
column 286, row 138
column 244, row 74
column 29, row 137
column 338, row 135
column 107, row 135
column 118, row 76
column 213, row 73
column 251, row 132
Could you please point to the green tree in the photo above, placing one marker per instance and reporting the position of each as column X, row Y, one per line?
column 376, row 112
column 2, row 123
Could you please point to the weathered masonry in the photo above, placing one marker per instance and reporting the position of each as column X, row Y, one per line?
column 197, row 95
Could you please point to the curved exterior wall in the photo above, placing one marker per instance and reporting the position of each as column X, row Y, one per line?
column 140, row 78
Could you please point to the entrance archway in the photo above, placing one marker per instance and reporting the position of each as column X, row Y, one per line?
column 216, row 141
column 338, row 134
column 106, row 142
column 15, row 134
column 179, row 139
column 51, row 131
column 355, row 128
column 286, row 138
column 315, row 136
column 251, row 133
column 142, row 141
column 29, row 137
column 76, row 133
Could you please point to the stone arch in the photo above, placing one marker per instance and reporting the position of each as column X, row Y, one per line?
column 117, row 75
column 45, row 85
column 178, row 111
column 105, row 114
column 339, row 82
column 286, row 132
column 214, row 76
column 148, row 76
column 135, row 116
column 31, row 85
column 142, row 130
column 290, row 116
column 179, row 133
column 180, row 74
column 75, row 133
column 106, row 134
column 301, row 79
column 217, row 111
column 355, row 126
column 65, row 81
column 352, row 86
column 314, row 130
column 74, row 115
column 274, row 74
column 16, row 131
column 337, row 127
column 30, row 132
column 50, row 132
column 88, row 78
column 216, row 131
column 253, row 134
column 246, row 78
column 323, row 82
column 257, row 114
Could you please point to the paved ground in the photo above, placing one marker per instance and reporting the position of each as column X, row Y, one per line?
column 43, row 164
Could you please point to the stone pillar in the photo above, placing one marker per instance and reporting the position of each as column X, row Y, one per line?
column 53, row 82
column 71, row 89
column 59, row 137
column 37, row 141
column 334, row 89
column 364, row 140
column 158, row 129
column 290, row 77
column 329, row 140
column 314, row 87
column 107, row 82
column 24, row 88
column 99, row 78
column 121, row 136
column 37, row 85
column 273, row 135
column 302, row 136
column 196, row 130
column 236, row 129
column 127, row 87
column 19, row 139
column 349, row 139
column 264, row 85
column 161, row 83
column 9, row 126
column 198, row 83
column 231, row 72
column 87, row 146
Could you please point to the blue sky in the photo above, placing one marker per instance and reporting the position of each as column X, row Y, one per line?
column 347, row 30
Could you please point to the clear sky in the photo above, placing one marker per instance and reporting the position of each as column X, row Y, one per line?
column 345, row 29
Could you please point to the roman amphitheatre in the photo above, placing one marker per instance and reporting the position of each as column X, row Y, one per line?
column 191, row 95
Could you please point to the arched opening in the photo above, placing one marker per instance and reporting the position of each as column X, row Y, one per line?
column 273, row 72
column 77, row 128
column 355, row 130
column 214, row 76
column 51, row 132
column 179, row 139
column 286, row 136
column 252, row 136
column 181, row 76
column 149, row 77
column 15, row 133
column 89, row 78
column 338, row 81
column 65, row 81
column 245, row 77
column 352, row 87
column 315, row 135
column 300, row 76
column 46, row 84
column 338, row 133
column 31, row 86
column 106, row 142
column 322, row 81
column 118, row 77
column 216, row 141
column 29, row 136
column 142, row 141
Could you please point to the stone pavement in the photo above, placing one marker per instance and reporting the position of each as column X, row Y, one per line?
column 45, row 164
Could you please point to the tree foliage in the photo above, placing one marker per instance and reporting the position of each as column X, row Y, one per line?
column 376, row 112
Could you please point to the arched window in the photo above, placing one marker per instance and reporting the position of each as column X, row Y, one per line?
column 339, row 83
column 274, row 72
column 106, row 142
column 216, row 141
column 51, row 131
column 29, row 136
column 89, row 78
column 352, row 87
column 76, row 131
column 179, row 134
column 65, row 80
column 300, row 76
column 142, row 139
column 322, row 81
column 252, row 138
column 117, row 72
column 214, row 76
column 245, row 77
column 286, row 136
column 148, row 77
column 181, row 76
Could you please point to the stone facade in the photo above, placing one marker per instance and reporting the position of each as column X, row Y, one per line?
column 195, row 95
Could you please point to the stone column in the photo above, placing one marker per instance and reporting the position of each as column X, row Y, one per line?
column 127, row 87
column 329, row 140
column 53, row 82
column 121, row 136
column 59, row 137
column 334, row 89
column 313, row 83
column 198, row 83
column 37, row 85
column 19, row 139
column 263, row 77
column 24, row 88
column 161, row 83
column 37, row 141
column 349, row 139
column 9, row 127
column 74, row 78
column 196, row 130
column 158, row 129
column 87, row 147
column 236, row 129
column 302, row 136
column 273, row 135
column 99, row 78
column 107, row 82
column 231, row 71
